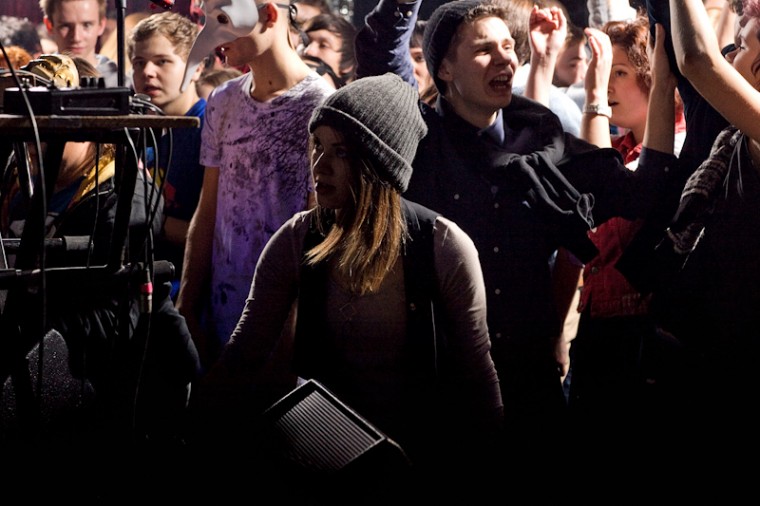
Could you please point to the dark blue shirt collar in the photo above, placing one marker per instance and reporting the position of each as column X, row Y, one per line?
column 495, row 130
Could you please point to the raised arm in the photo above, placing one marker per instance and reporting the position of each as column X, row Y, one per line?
column 700, row 60
column 595, row 125
column 382, row 45
column 660, row 132
column 703, row 122
column 547, row 34
column 726, row 24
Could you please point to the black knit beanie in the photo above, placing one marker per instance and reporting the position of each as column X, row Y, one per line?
column 381, row 115
column 439, row 31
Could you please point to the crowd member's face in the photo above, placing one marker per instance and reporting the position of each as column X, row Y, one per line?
column 326, row 46
column 747, row 52
column 479, row 73
column 421, row 73
column 331, row 163
column 571, row 65
column 158, row 72
column 76, row 26
column 626, row 98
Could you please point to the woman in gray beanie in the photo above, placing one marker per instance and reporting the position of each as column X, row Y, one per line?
column 391, row 303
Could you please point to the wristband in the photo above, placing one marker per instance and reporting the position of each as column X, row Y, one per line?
column 598, row 109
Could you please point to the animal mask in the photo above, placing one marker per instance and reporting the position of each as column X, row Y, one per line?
column 226, row 20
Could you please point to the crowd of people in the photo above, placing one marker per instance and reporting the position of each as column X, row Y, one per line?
column 512, row 230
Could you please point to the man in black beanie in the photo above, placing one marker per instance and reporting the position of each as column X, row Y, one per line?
column 501, row 167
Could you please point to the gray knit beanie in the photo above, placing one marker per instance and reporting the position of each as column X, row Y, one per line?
column 439, row 31
column 381, row 114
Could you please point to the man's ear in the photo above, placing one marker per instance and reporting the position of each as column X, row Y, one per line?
column 197, row 73
column 444, row 71
column 48, row 24
column 102, row 26
column 272, row 14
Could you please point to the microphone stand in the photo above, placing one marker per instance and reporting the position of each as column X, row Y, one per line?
column 121, row 9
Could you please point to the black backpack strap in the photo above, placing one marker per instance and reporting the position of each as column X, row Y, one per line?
column 421, row 289
column 310, row 347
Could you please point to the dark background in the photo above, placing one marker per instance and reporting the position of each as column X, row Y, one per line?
column 31, row 8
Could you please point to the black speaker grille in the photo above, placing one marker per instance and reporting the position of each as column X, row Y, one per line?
column 321, row 437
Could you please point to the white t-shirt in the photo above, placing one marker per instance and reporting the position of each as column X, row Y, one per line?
column 260, row 149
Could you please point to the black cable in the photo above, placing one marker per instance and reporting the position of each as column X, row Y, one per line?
column 150, row 208
column 90, row 248
column 43, row 256
column 164, row 174
column 91, row 243
column 155, row 189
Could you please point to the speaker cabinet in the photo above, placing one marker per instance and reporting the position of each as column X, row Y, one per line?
column 311, row 430
column 321, row 451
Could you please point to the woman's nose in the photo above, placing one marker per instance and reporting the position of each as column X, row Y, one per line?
column 320, row 164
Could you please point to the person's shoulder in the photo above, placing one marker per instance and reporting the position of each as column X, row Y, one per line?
column 450, row 240
column 198, row 108
column 520, row 102
column 448, row 228
column 524, row 112
column 442, row 226
column 558, row 97
column 302, row 218
column 417, row 208
column 314, row 85
column 296, row 227
column 231, row 87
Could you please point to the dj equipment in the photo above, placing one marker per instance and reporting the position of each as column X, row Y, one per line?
column 53, row 86
column 49, row 101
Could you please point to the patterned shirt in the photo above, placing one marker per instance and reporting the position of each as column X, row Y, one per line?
column 261, row 151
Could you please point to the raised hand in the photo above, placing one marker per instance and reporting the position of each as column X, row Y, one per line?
column 547, row 30
column 658, row 59
column 599, row 67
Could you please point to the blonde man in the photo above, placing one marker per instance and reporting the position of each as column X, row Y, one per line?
column 75, row 26
column 158, row 48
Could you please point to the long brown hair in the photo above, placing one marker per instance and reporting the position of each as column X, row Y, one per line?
column 365, row 239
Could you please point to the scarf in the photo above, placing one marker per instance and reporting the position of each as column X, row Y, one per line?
column 701, row 192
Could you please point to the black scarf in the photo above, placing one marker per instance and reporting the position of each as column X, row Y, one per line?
column 701, row 193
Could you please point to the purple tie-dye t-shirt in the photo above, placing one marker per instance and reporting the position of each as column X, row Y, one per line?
column 261, row 150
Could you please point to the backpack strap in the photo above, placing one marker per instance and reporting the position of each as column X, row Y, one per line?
column 310, row 345
column 421, row 289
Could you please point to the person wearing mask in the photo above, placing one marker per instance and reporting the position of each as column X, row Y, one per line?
column 254, row 149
